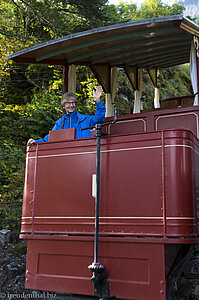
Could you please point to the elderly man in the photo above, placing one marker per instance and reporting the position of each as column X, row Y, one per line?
column 73, row 119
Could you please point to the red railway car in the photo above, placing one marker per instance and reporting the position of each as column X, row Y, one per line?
column 149, row 173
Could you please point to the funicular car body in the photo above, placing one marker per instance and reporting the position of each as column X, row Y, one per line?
column 149, row 183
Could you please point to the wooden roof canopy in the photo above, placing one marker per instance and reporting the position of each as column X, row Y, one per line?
column 160, row 42
column 146, row 44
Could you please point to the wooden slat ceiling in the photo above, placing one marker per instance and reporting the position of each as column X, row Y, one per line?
column 160, row 42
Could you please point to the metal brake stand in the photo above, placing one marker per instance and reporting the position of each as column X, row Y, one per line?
column 100, row 276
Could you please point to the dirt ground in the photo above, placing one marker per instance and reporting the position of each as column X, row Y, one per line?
column 12, row 274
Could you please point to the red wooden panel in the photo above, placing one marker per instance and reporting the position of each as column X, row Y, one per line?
column 62, row 135
column 184, row 120
column 179, row 177
column 127, row 186
column 28, row 195
column 136, row 271
column 63, row 200
column 157, row 119
column 147, row 186
column 128, row 126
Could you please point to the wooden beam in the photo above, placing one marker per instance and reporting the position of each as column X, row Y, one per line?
column 119, row 47
column 153, row 76
column 163, row 61
column 27, row 60
column 189, row 26
column 103, row 75
column 140, row 43
column 102, row 41
column 132, row 74
column 171, row 64
column 65, row 78
column 144, row 52
column 165, row 57
column 167, row 61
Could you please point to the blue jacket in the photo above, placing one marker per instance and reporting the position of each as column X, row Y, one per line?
column 78, row 121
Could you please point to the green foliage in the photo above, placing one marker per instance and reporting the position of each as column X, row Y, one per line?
column 156, row 8
column 149, row 9
column 124, row 96
column 86, row 82
column 43, row 20
column 39, row 115
column 11, row 183
column 127, row 12
column 26, row 23
column 17, row 125
column 20, row 248
column 175, row 82
column 11, row 91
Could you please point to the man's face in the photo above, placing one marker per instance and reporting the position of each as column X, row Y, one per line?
column 70, row 105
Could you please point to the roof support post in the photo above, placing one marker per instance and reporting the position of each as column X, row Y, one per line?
column 110, row 97
column 138, row 93
column 153, row 75
column 69, row 78
column 109, row 106
column 65, row 78
column 135, row 77
column 72, row 78
column 157, row 98
column 107, row 77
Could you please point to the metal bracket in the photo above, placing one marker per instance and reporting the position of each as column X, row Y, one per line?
column 99, row 280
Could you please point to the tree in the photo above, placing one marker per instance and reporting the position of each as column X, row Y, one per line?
column 28, row 22
column 127, row 12
column 156, row 8
column 38, row 21
column 149, row 9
